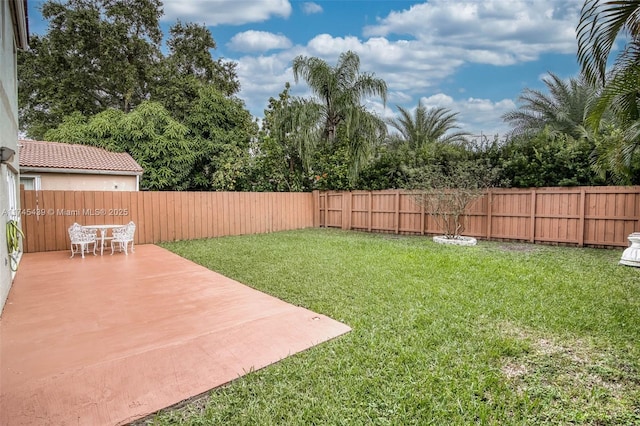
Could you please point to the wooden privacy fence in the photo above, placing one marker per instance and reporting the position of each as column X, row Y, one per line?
column 592, row 216
column 160, row 216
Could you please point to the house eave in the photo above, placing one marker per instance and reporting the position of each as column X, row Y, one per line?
column 79, row 171
column 19, row 16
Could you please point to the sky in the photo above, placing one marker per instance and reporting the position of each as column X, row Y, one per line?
column 473, row 57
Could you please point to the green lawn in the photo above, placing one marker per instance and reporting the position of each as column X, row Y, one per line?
column 500, row 333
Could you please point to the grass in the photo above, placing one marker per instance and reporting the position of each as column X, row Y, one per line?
column 499, row 333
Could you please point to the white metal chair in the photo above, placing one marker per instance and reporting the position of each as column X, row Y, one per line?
column 81, row 239
column 122, row 237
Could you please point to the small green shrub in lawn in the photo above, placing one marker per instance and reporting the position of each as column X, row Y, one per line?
column 499, row 333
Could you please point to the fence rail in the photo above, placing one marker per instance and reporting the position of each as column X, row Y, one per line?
column 160, row 216
column 584, row 216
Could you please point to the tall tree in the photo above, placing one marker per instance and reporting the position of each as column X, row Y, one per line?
column 153, row 138
column 284, row 150
column 189, row 67
column 339, row 92
column 223, row 130
column 97, row 54
column 548, row 159
column 100, row 54
column 562, row 110
column 601, row 24
column 426, row 126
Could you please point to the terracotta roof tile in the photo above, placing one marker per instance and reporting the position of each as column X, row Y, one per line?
column 74, row 156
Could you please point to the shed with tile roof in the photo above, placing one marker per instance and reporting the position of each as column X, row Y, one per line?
column 64, row 166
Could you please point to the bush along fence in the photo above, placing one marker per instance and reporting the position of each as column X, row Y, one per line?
column 160, row 216
column 582, row 216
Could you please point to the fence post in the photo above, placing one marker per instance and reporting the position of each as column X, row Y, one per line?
column 583, row 199
column 489, row 220
column 326, row 209
column 638, row 205
column 316, row 208
column 422, row 218
column 397, row 230
column 533, row 215
column 346, row 210
column 370, row 210
column 27, row 244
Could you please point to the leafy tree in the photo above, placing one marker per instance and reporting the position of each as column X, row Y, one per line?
column 447, row 194
column 223, row 130
column 601, row 23
column 426, row 126
column 562, row 110
column 614, row 159
column 331, row 163
column 339, row 91
column 270, row 168
column 393, row 164
column 548, row 159
column 425, row 138
column 189, row 67
column 293, row 122
column 148, row 133
column 387, row 170
column 283, row 154
column 96, row 55
column 101, row 54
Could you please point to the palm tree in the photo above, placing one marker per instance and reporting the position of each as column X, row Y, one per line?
column 601, row 23
column 562, row 110
column 293, row 122
column 426, row 126
column 339, row 91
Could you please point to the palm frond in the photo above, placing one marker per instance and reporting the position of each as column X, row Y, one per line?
column 563, row 109
column 621, row 93
column 427, row 125
column 601, row 22
column 365, row 130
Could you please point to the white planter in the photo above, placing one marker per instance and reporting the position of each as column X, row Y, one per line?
column 458, row 241
column 631, row 255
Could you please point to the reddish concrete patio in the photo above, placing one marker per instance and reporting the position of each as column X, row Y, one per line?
column 109, row 339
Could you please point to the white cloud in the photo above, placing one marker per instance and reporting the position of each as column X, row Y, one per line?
column 231, row 12
column 437, row 100
column 383, row 111
column 496, row 32
column 476, row 116
column 441, row 37
column 309, row 8
column 409, row 71
column 258, row 41
column 398, row 97
column 406, row 65
column 264, row 76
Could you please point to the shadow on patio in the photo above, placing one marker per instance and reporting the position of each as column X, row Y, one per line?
column 109, row 339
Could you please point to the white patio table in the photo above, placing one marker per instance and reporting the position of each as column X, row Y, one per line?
column 103, row 231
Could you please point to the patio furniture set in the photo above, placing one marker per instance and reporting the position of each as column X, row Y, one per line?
column 82, row 237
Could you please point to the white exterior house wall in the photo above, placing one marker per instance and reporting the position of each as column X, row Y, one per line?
column 80, row 181
column 13, row 35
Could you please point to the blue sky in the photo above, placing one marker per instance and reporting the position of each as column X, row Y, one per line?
column 473, row 57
